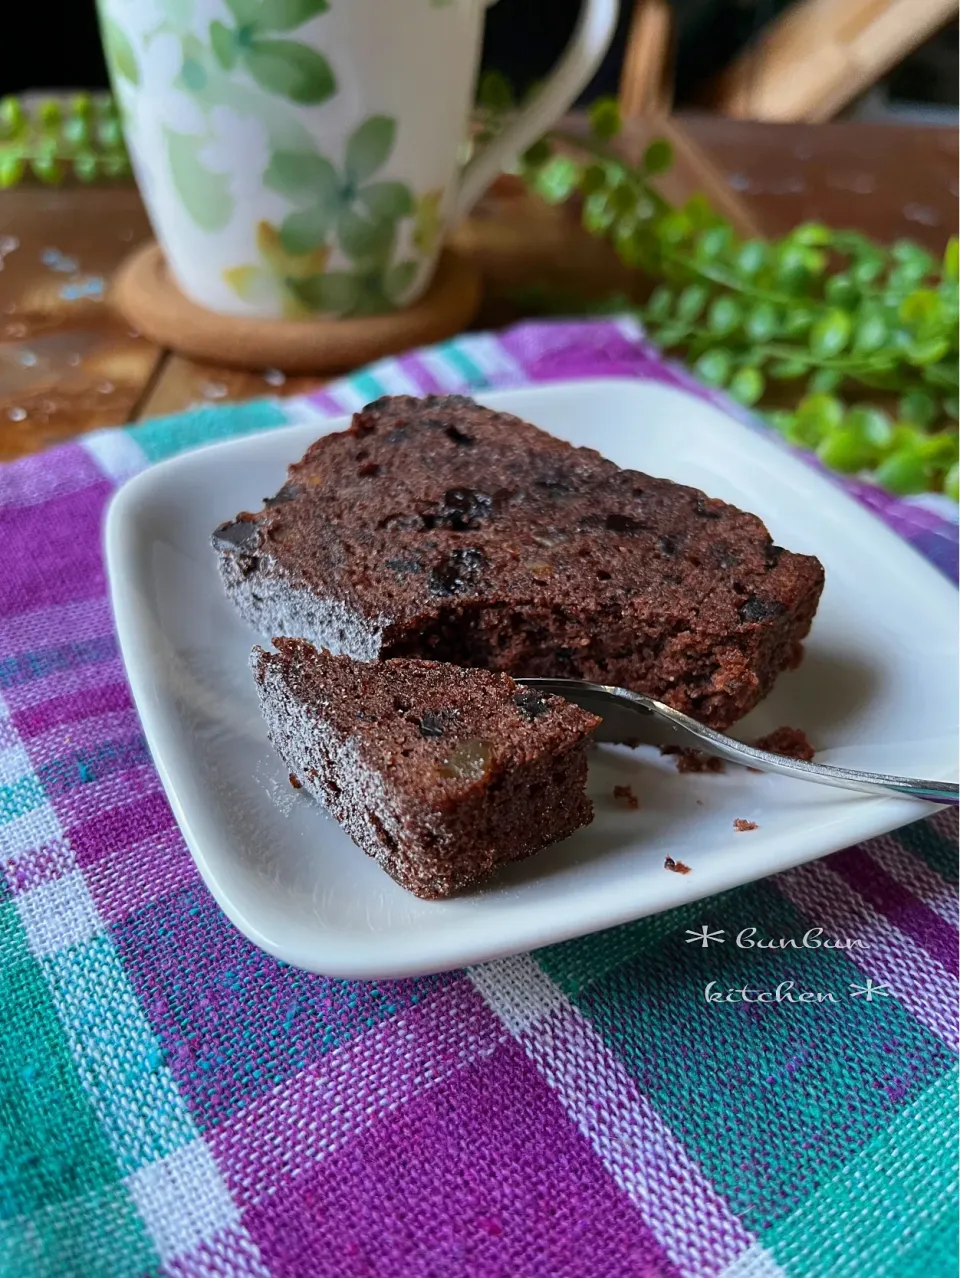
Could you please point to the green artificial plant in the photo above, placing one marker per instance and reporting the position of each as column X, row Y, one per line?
column 54, row 140
column 864, row 334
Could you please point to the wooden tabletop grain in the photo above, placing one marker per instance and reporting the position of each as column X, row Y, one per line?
column 68, row 364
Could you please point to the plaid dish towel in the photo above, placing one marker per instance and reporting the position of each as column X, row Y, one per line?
column 173, row 1101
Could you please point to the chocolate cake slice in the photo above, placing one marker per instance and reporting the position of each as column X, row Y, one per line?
column 439, row 773
column 437, row 528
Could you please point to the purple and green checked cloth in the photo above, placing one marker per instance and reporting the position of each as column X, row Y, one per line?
column 173, row 1101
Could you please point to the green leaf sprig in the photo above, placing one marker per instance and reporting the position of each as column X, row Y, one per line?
column 867, row 333
column 80, row 138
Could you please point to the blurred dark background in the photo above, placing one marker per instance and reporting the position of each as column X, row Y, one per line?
column 57, row 46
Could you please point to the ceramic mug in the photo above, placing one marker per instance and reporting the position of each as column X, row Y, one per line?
column 302, row 157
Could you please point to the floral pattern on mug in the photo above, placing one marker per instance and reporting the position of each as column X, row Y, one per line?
column 347, row 207
column 203, row 113
column 270, row 281
column 284, row 67
column 428, row 221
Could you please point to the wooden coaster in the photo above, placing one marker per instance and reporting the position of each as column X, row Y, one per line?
column 145, row 294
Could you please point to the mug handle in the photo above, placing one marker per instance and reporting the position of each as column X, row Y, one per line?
column 595, row 28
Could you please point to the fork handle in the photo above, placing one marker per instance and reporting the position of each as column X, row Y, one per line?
column 943, row 792
column 659, row 723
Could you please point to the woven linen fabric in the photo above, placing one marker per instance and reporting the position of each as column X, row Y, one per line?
column 173, row 1101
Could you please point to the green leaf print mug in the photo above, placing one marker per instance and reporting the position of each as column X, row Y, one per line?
column 303, row 157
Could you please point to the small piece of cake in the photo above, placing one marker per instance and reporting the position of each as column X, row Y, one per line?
column 439, row 773
column 436, row 528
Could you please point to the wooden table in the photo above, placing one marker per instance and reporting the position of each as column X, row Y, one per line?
column 67, row 364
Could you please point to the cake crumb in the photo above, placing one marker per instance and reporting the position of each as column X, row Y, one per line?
column 689, row 760
column 626, row 792
column 792, row 743
column 678, row 867
column 742, row 825
column 295, row 781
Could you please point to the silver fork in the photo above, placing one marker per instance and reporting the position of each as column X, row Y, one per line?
column 628, row 716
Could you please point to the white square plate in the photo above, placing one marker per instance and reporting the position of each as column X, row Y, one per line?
column 877, row 690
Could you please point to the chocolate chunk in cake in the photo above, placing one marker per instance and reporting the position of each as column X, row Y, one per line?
column 439, row 773
column 436, row 528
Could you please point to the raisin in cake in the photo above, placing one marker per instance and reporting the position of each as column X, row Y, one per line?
column 436, row 528
column 439, row 773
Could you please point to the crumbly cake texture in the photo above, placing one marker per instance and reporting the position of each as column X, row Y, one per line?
column 438, row 772
column 436, row 528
